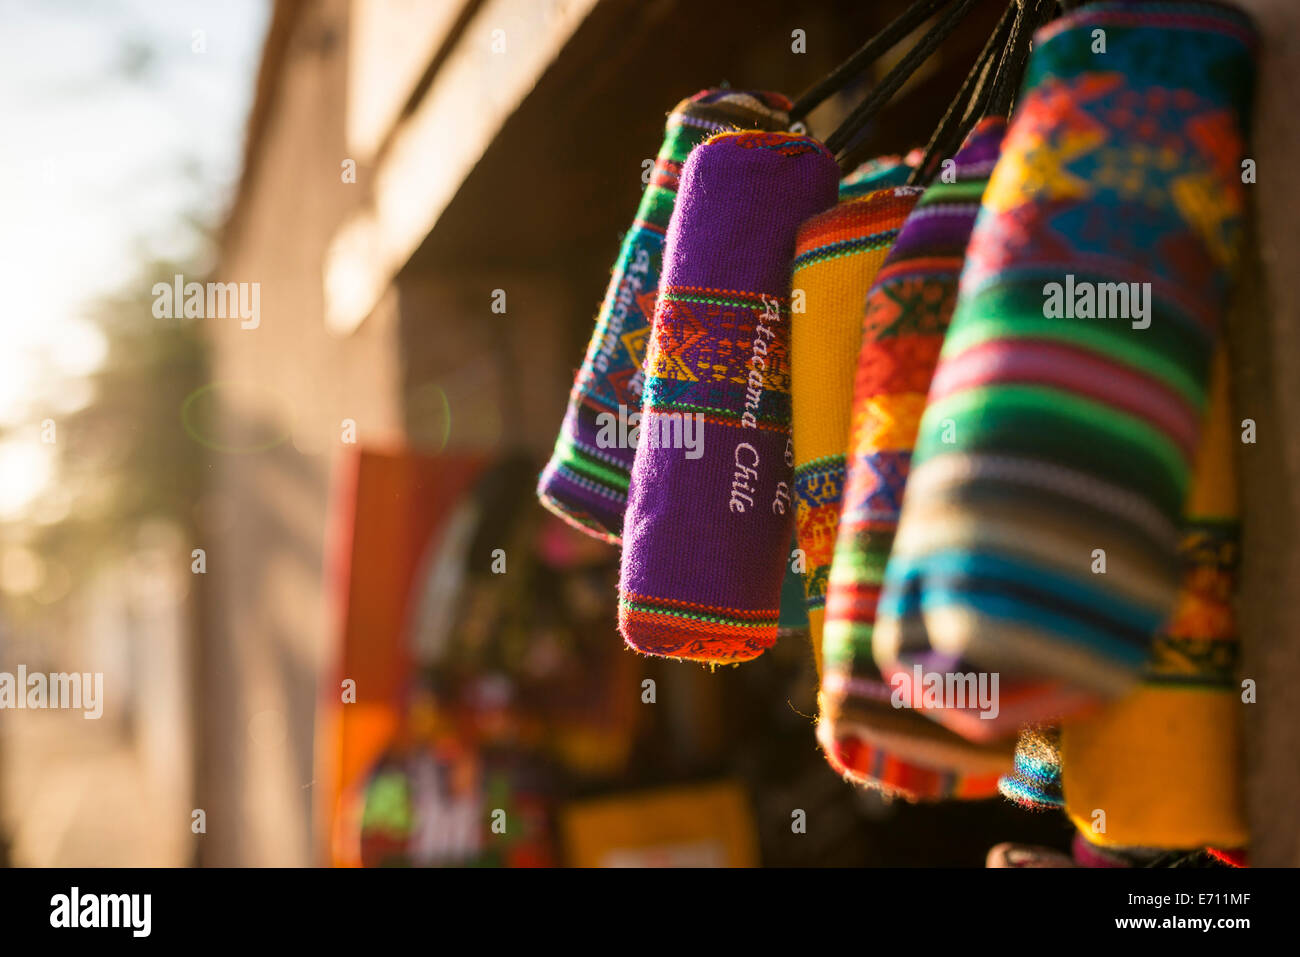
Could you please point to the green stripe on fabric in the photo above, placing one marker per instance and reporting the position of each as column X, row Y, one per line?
column 694, row 616
column 832, row 464
column 969, row 192
column 582, row 462
column 681, row 139
column 857, row 564
column 655, row 406
column 1163, row 352
column 846, row 642
column 657, row 205
column 720, row 301
column 1044, row 423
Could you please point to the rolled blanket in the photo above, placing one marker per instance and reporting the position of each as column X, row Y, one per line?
column 1039, row 538
column 867, row 731
column 709, row 521
column 585, row 481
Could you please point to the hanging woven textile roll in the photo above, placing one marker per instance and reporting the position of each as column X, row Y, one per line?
column 867, row 734
column 1163, row 764
column 836, row 258
column 711, row 510
column 1038, row 543
column 585, row 482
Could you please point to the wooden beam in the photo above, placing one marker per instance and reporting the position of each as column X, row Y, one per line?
column 497, row 60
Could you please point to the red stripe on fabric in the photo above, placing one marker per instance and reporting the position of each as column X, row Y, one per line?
column 853, row 602
column 649, row 227
column 1071, row 369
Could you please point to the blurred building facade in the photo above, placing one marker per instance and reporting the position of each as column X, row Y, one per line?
column 405, row 161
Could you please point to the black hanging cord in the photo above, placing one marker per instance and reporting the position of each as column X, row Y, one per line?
column 902, row 25
column 1000, row 98
column 980, row 105
column 967, row 107
column 1012, row 69
column 896, row 77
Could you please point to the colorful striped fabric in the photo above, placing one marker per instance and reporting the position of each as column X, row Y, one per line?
column 879, row 173
column 837, row 254
column 869, row 177
column 1164, row 762
column 1035, row 784
column 864, row 731
column 585, row 482
column 707, row 536
column 1039, row 539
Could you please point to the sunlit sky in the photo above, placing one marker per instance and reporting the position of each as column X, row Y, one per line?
column 120, row 117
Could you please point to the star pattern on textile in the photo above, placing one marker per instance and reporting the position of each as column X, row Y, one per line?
column 1051, row 133
column 637, row 342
